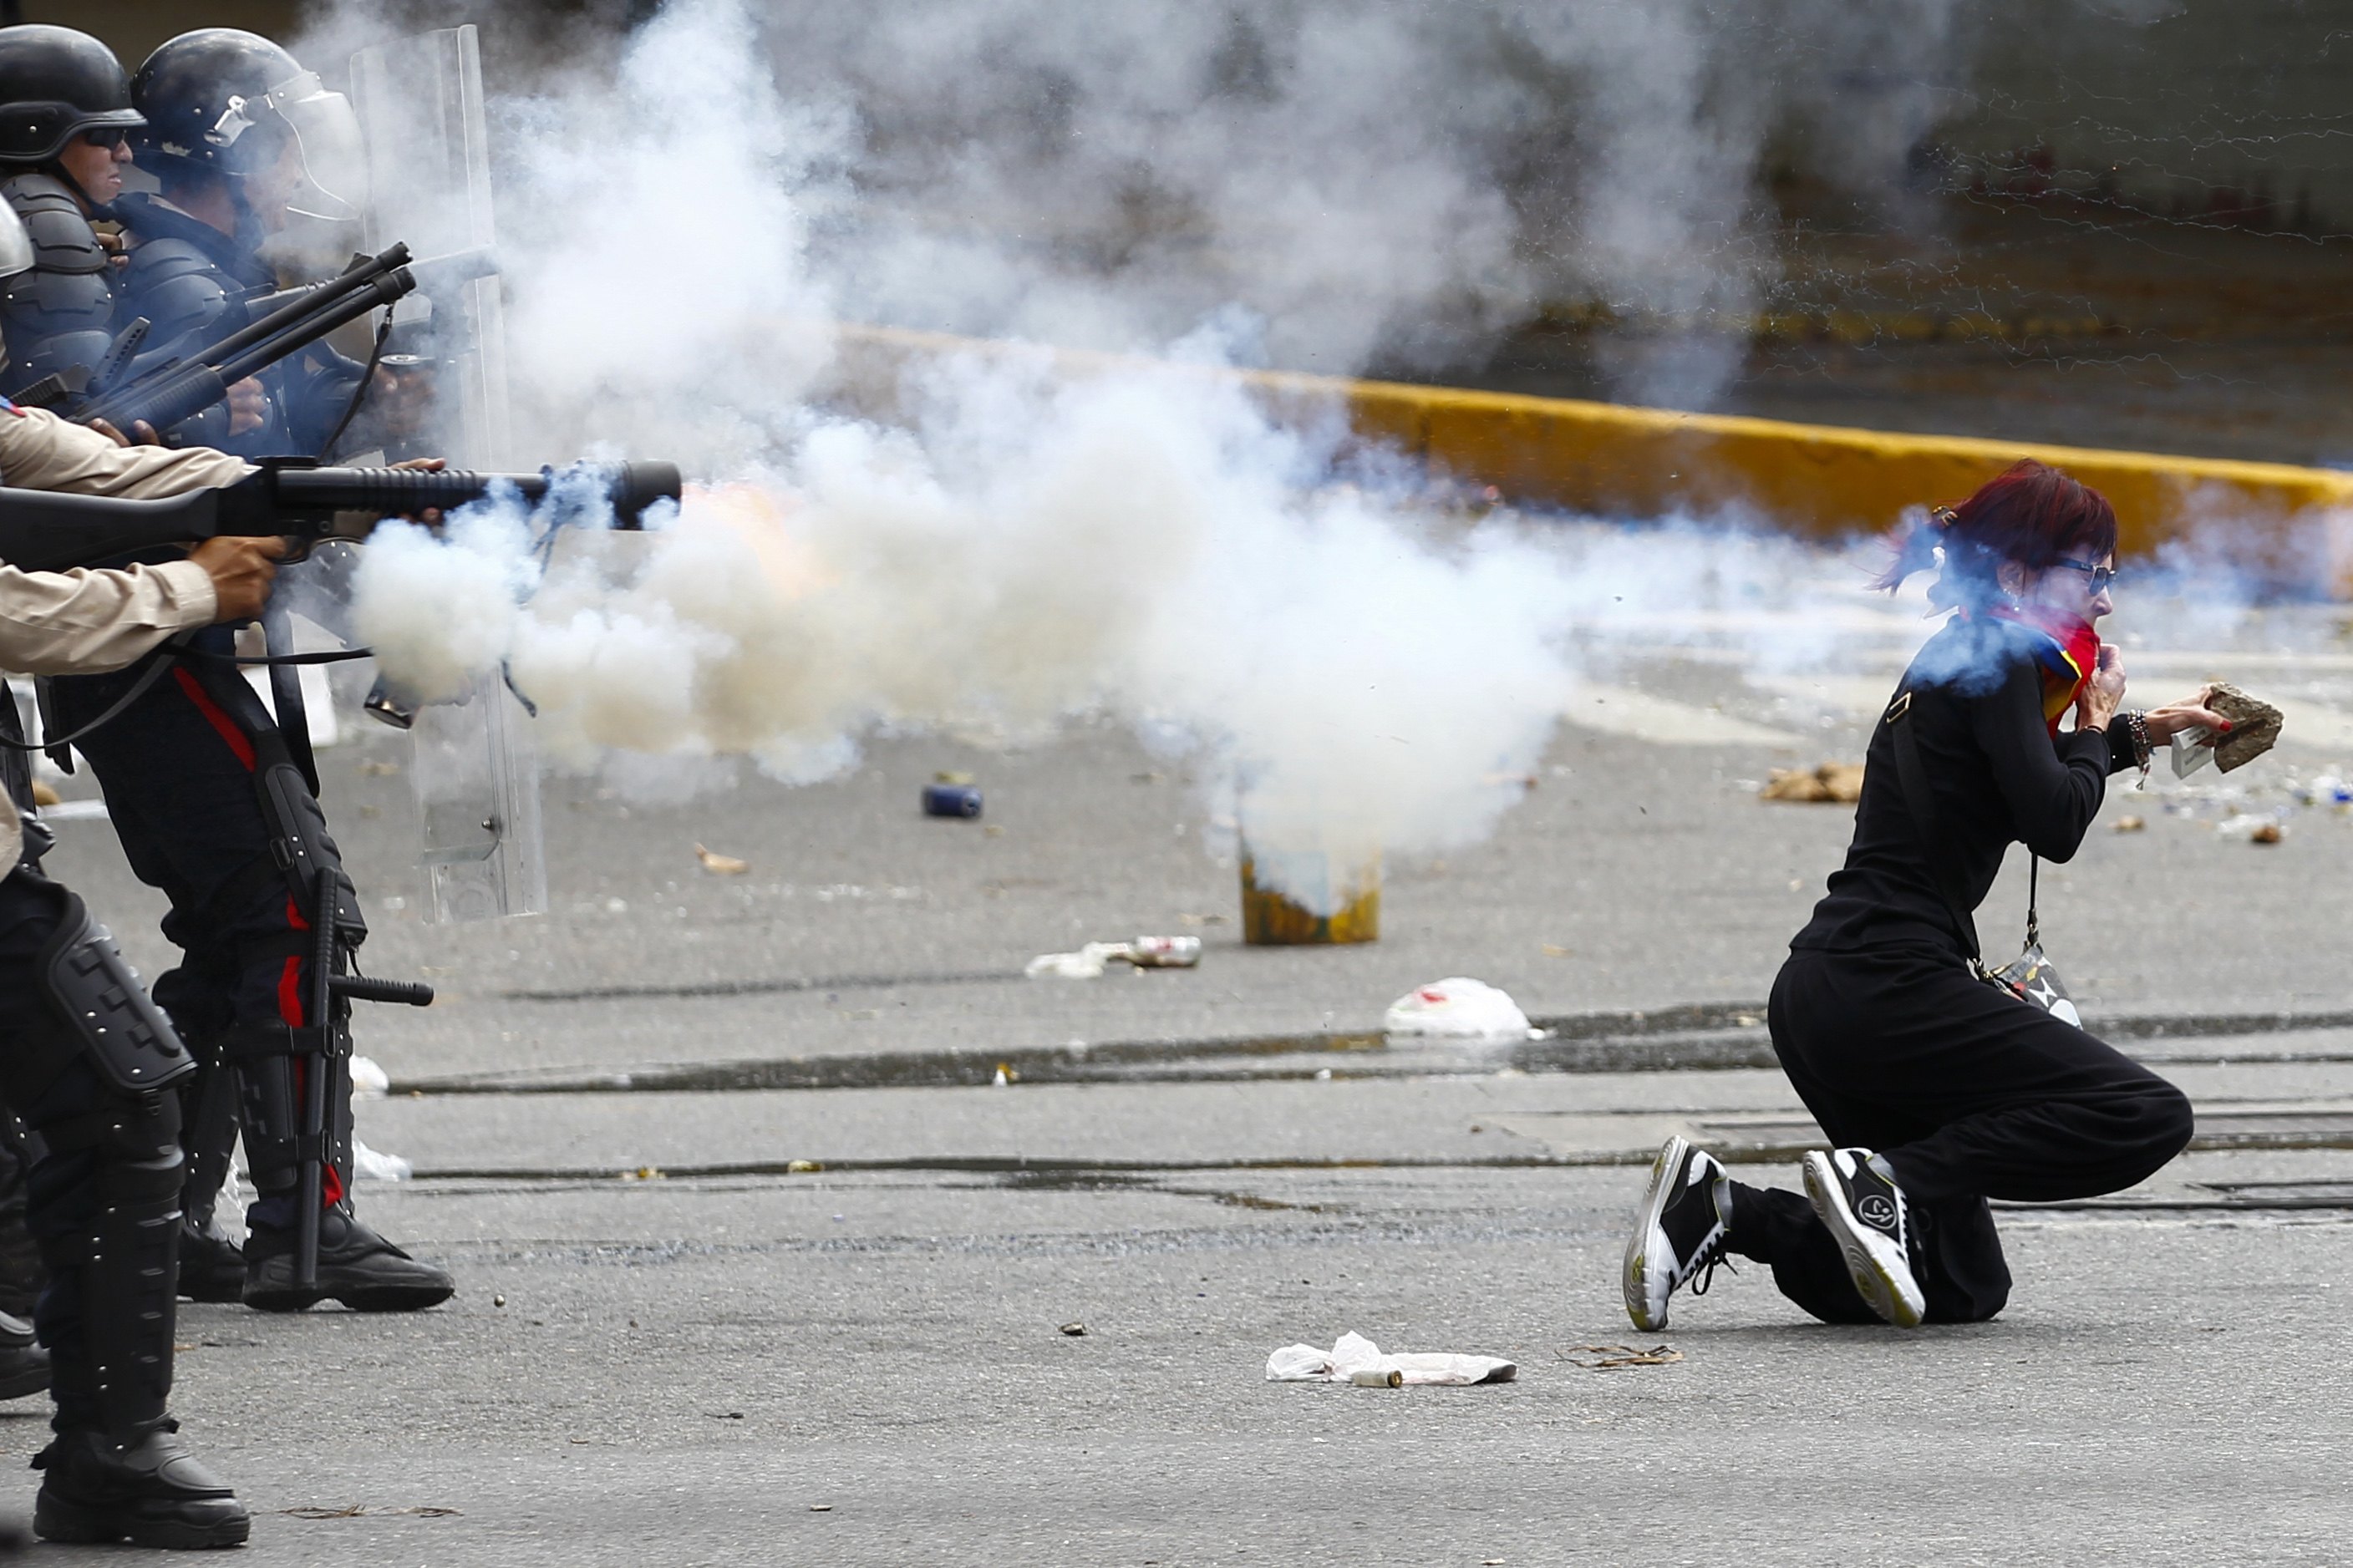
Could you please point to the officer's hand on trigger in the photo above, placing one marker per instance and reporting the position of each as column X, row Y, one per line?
column 143, row 434
column 241, row 571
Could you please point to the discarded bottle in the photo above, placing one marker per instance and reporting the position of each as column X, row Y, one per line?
column 951, row 800
column 1165, row 951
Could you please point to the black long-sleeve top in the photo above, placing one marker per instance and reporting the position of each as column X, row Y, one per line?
column 1998, row 777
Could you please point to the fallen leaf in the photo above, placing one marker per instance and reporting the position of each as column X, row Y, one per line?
column 2131, row 823
column 721, row 865
column 44, row 795
column 1553, row 950
column 1833, row 783
column 952, row 778
column 2269, row 833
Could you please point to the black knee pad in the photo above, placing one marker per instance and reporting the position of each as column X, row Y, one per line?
column 101, row 999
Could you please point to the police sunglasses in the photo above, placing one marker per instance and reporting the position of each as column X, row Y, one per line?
column 2101, row 576
column 107, row 136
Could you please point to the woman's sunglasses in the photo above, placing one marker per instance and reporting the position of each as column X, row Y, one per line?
column 2101, row 576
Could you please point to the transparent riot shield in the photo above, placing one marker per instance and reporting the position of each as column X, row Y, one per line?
column 419, row 102
column 476, row 777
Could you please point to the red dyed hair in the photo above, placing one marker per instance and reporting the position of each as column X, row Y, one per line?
column 2030, row 514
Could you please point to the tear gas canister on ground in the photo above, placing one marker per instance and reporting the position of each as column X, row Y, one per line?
column 951, row 800
column 1282, row 891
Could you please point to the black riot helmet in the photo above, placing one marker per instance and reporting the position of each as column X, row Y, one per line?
column 55, row 84
column 230, row 102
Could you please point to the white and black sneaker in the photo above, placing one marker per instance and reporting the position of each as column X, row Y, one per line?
column 1867, row 1216
column 1679, row 1232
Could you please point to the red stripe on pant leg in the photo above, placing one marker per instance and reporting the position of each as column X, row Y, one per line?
column 289, row 1009
column 220, row 720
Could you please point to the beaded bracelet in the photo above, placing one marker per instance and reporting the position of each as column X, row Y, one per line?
column 2136, row 728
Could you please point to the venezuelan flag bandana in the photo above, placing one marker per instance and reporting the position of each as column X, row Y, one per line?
column 2066, row 652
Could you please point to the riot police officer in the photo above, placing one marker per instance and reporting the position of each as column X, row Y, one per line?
column 241, row 137
column 85, row 1054
column 179, row 764
column 65, row 125
column 66, row 120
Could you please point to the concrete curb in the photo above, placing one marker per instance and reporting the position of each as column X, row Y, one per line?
column 2285, row 526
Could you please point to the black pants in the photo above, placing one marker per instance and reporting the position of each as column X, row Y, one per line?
column 177, row 768
column 1969, row 1095
column 63, row 1190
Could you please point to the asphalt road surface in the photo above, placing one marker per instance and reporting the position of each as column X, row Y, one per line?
column 760, row 1262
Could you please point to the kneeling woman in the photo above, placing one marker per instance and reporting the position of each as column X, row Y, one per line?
column 1940, row 1091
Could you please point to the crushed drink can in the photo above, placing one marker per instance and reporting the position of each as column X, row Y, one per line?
column 951, row 800
column 1165, row 951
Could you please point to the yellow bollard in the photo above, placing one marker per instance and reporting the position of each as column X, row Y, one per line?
column 1274, row 919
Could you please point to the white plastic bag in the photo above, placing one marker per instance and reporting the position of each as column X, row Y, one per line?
column 1459, row 1008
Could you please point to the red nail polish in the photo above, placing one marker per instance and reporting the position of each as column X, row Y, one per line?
column 2226, row 726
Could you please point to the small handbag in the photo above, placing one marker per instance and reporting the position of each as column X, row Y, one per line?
column 2031, row 976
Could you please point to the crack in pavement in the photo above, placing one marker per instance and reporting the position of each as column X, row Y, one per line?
column 1699, row 1036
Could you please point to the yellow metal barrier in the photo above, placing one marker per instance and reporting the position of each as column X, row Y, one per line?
column 2274, row 519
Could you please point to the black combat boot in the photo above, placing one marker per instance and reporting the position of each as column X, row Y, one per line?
column 211, row 1269
column 24, row 1365
column 147, row 1488
column 356, row 1266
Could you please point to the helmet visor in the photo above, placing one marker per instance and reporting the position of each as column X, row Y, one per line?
column 334, row 160
column 331, row 161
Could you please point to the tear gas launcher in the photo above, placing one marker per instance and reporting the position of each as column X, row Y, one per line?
column 164, row 387
column 44, row 530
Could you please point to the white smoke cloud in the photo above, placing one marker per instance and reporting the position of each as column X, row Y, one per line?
column 1317, row 182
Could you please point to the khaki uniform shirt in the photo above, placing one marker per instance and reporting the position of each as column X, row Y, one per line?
column 86, row 622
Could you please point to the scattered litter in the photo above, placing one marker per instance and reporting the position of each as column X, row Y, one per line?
column 360, row 1511
column 2254, row 828
column 368, row 1081
column 370, row 1166
column 1076, row 1330
column 721, row 865
column 953, row 778
column 1143, row 951
column 1616, row 1358
column 2131, row 823
column 1373, row 1377
column 44, row 793
column 1206, row 919
column 992, row 830
column 643, row 1174
column 1005, row 1076
column 1165, row 951
column 1553, row 950
column 75, row 811
column 1459, row 1008
column 1833, row 783
column 1355, row 1354
column 2269, row 833
column 498, row 1300
column 802, row 1167
column 951, row 800
column 820, row 1508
